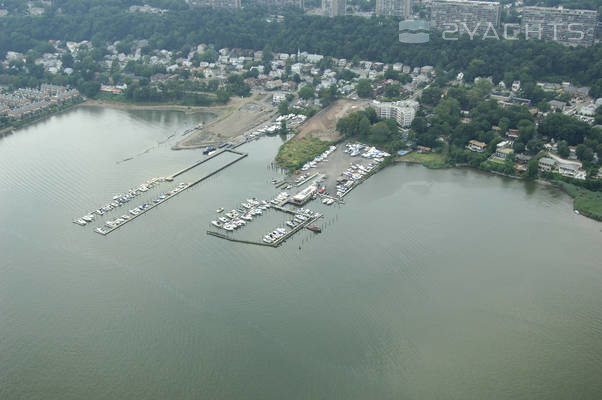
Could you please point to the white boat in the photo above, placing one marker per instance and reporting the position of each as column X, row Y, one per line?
column 217, row 223
column 219, row 210
column 223, row 219
column 80, row 221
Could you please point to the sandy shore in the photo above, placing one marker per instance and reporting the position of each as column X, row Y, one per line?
column 156, row 107
column 239, row 116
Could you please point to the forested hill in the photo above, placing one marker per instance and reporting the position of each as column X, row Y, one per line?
column 372, row 39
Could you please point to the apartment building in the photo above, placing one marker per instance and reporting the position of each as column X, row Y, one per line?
column 396, row 8
column 463, row 15
column 569, row 27
column 334, row 8
column 403, row 112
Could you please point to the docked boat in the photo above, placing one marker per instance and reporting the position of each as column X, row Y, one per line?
column 223, row 219
column 80, row 221
column 217, row 223
column 219, row 210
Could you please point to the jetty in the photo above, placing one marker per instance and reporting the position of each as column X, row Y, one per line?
column 106, row 230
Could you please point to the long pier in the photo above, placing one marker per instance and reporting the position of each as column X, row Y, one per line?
column 196, row 164
column 151, row 206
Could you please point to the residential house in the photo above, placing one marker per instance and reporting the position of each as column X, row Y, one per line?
column 475, row 145
column 546, row 164
column 503, row 153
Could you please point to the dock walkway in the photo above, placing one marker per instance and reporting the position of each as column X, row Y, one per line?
column 150, row 207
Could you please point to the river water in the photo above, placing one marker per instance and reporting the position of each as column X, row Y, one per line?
column 448, row 284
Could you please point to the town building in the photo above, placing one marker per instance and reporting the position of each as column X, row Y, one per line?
column 396, row 8
column 567, row 26
column 334, row 8
column 476, row 16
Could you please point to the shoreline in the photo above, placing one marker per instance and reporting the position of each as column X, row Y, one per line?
column 539, row 181
column 12, row 129
column 155, row 107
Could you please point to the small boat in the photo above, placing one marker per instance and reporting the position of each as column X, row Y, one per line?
column 314, row 228
column 80, row 221
column 223, row 219
column 217, row 223
column 219, row 210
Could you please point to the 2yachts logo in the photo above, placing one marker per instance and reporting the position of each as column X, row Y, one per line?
column 414, row 31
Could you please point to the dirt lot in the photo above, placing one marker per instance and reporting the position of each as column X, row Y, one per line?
column 323, row 124
column 239, row 116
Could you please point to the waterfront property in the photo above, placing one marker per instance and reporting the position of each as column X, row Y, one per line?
column 475, row 145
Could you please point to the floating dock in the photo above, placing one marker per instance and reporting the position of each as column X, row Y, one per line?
column 280, row 240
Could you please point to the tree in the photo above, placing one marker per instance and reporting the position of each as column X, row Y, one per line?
column 307, row 92
column 283, row 107
column 392, row 91
column 563, row 149
column 283, row 129
column 364, row 88
column 518, row 146
column 533, row 168
column 431, row 96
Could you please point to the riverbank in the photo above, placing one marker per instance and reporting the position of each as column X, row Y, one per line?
column 152, row 106
column 588, row 203
column 241, row 115
column 30, row 121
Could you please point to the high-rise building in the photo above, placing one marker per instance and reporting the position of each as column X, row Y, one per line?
column 231, row 4
column 277, row 4
column 476, row 16
column 570, row 27
column 334, row 8
column 396, row 8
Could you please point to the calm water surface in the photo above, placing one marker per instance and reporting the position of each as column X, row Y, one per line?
column 425, row 285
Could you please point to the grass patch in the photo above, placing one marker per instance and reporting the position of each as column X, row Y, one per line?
column 296, row 152
column 585, row 201
column 429, row 160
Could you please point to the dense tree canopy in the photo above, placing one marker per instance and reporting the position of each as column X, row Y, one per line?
column 183, row 27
